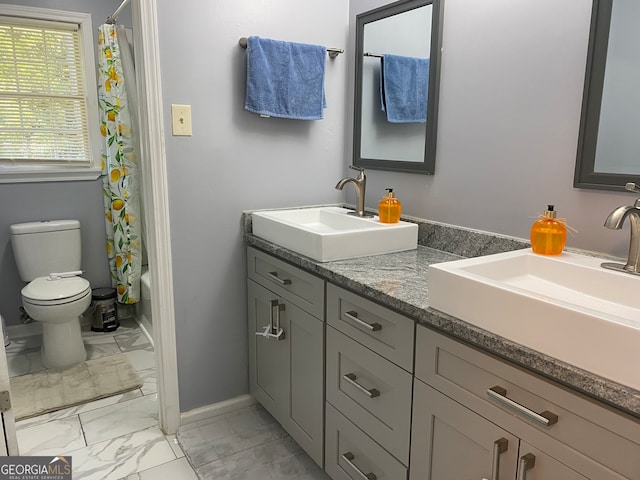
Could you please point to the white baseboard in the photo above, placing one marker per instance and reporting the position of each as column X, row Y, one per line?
column 145, row 331
column 211, row 411
column 24, row 330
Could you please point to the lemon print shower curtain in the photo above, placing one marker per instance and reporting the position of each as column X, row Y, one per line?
column 120, row 175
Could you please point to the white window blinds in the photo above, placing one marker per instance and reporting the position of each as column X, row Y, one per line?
column 43, row 106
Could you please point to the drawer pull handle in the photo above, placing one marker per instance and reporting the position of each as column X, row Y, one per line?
column 546, row 418
column 353, row 316
column 281, row 281
column 526, row 463
column 499, row 447
column 349, row 457
column 351, row 378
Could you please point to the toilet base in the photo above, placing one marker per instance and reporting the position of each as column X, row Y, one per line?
column 62, row 345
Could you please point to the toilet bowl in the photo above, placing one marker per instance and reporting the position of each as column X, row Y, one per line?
column 48, row 255
column 58, row 304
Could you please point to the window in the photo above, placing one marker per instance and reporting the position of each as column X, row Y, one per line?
column 48, row 104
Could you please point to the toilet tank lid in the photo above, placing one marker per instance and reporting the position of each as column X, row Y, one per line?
column 44, row 226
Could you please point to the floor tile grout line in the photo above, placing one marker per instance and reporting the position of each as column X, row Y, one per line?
column 84, row 434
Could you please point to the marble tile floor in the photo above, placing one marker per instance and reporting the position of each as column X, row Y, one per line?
column 245, row 444
column 112, row 438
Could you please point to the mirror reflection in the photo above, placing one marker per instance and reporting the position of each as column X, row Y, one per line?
column 609, row 144
column 396, row 87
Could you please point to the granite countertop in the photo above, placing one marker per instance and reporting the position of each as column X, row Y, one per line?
column 400, row 281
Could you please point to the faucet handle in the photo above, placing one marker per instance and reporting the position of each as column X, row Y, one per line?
column 361, row 175
column 632, row 187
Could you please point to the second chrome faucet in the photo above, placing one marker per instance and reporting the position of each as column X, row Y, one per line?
column 615, row 221
column 360, row 183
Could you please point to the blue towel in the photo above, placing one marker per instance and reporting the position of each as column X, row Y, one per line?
column 285, row 79
column 404, row 83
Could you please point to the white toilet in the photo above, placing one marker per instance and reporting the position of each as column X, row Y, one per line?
column 57, row 301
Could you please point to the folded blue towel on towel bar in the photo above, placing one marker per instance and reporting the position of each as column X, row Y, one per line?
column 285, row 79
column 404, row 84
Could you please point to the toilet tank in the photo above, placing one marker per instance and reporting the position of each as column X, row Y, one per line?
column 41, row 248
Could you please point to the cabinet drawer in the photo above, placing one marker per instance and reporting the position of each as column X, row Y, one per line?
column 599, row 433
column 371, row 391
column 351, row 455
column 382, row 330
column 291, row 283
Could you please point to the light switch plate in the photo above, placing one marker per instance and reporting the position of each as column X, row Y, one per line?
column 181, row 119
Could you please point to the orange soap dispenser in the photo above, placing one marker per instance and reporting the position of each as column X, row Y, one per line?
column 389, row 208
column 548, row 235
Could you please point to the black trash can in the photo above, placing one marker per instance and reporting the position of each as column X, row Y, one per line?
column 105, row 315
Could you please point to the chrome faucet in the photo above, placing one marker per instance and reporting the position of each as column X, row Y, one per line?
column 361, row 184
column 615, row 220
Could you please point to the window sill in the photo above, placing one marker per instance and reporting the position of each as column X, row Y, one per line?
column 49, row 175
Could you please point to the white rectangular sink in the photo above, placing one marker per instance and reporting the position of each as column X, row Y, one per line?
column 565, row 306
column 330, row 233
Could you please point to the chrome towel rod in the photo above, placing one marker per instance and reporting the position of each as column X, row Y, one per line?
column 333, row 52
column 367, row 54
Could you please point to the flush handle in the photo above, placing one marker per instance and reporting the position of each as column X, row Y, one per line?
column 545, row 418
column 353, row 316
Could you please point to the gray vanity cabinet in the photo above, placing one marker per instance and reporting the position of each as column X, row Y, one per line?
column 369, row 357
column 451, row 411
column 465, row 401
column 451, row 441
column 286, row 347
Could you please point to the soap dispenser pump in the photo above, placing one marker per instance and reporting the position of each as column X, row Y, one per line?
column 389, row 208
column 548, row 235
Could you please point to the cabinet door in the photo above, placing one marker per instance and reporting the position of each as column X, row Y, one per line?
column 534, row 464
column 305, row 335
column 268, row 357
column 286, row 374
column 450, row 441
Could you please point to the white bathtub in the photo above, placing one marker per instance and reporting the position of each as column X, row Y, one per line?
column 143, row 307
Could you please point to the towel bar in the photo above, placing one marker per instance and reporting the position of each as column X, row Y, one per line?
column 333, row 52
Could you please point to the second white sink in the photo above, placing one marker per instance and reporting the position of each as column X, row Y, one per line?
column 564, row 306
column 330, row 233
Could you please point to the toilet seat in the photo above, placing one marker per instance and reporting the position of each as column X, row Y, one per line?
column 43, row 291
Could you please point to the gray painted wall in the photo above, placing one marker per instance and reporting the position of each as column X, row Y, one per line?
column 235, row 161
column 82, row 200
column 510, row 102
column 510, row 99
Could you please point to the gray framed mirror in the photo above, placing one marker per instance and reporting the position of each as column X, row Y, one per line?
column 397, row 75
column 609, row 142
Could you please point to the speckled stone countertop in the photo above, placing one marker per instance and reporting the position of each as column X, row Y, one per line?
column 400, row 281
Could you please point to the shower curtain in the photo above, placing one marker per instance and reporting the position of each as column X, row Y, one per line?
column 120, row 168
